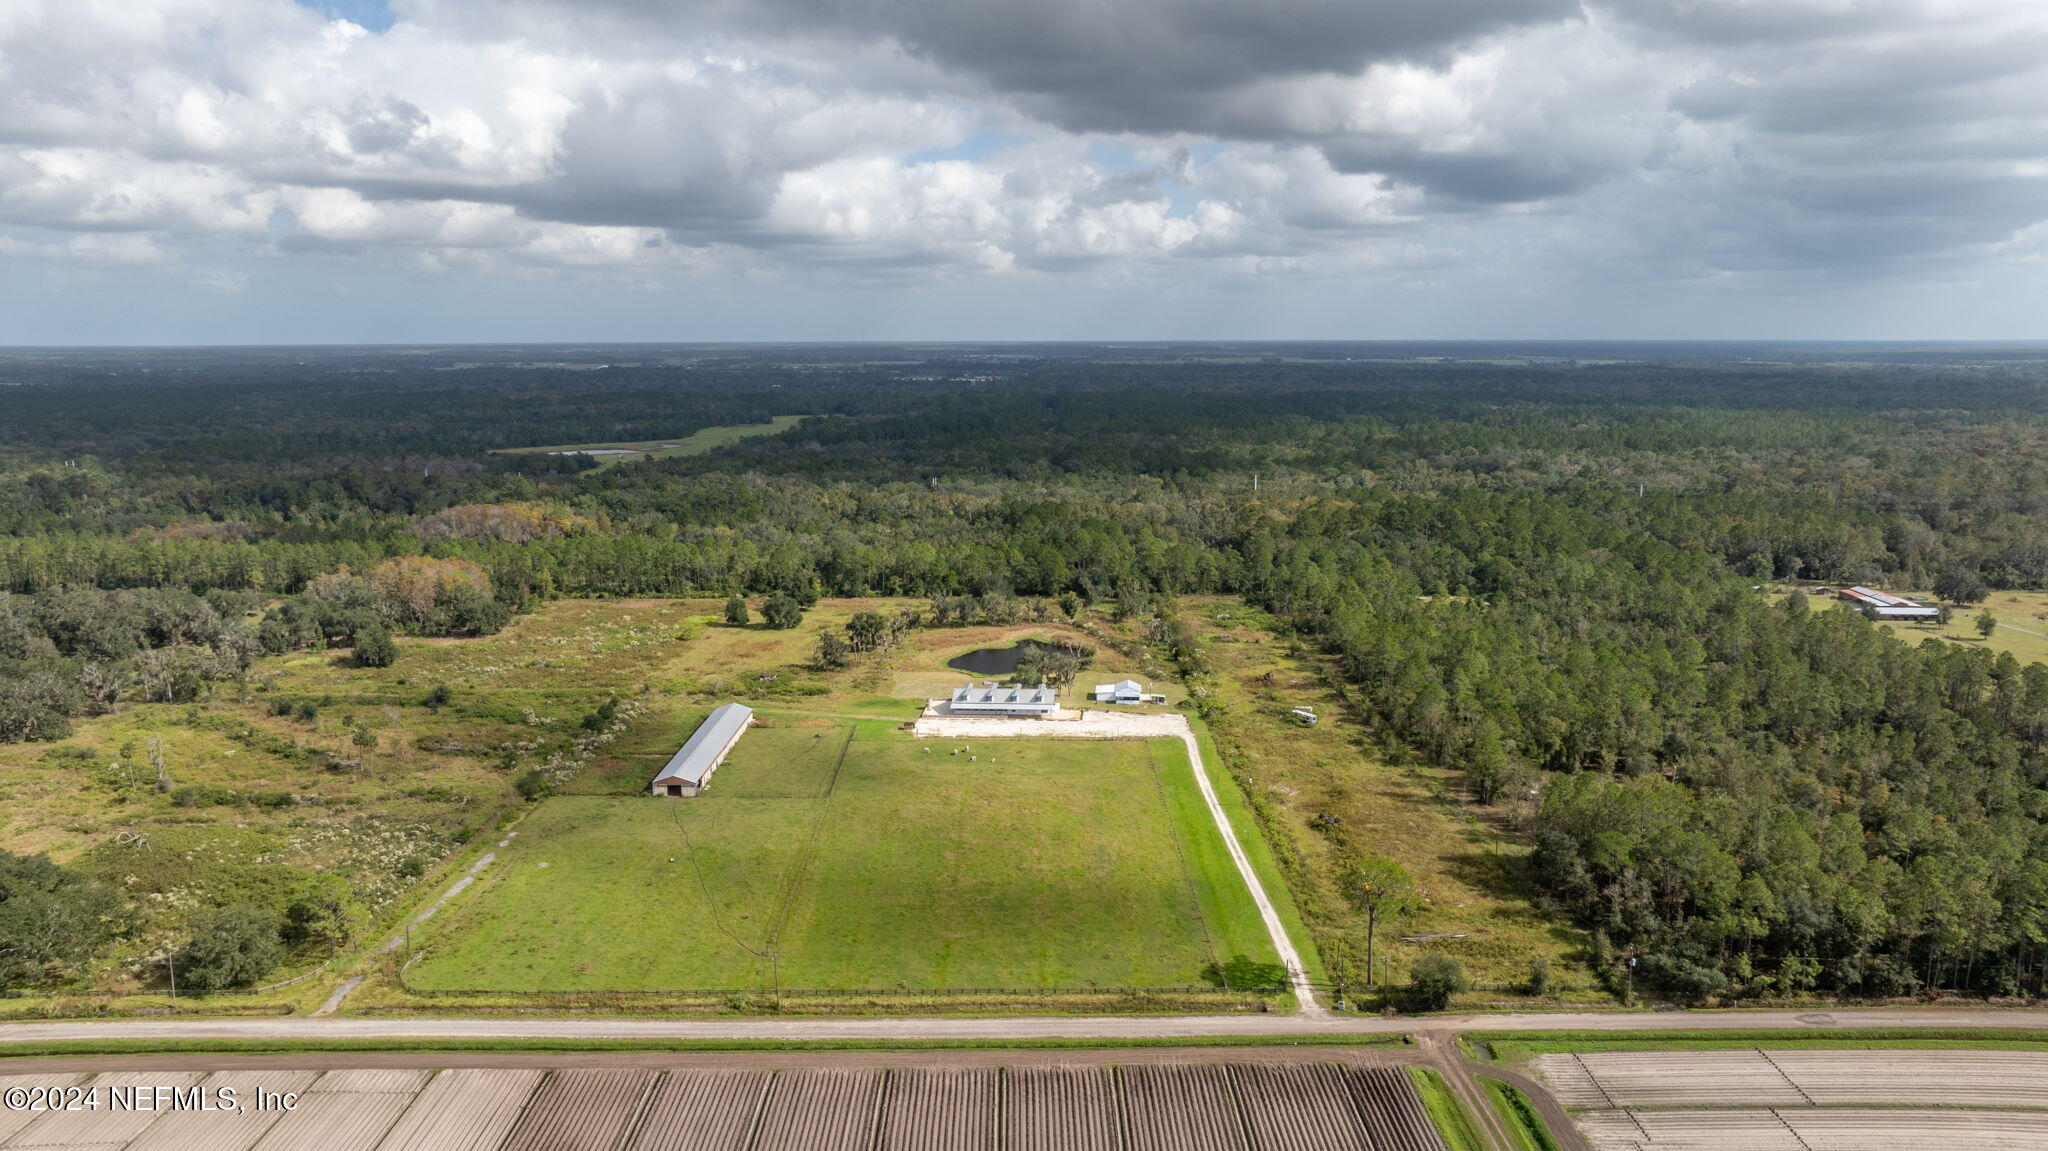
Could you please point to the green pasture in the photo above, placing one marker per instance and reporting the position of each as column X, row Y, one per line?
column 696, row 443
column 1018, row 863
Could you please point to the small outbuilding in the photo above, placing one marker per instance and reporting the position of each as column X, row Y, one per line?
column 689, row 770
column 1122, row 691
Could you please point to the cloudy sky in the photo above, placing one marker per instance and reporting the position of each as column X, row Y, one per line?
column 260, row 171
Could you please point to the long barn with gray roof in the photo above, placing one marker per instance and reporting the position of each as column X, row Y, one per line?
column 689, row 770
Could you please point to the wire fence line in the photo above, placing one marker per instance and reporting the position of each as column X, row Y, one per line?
column 1202, row 990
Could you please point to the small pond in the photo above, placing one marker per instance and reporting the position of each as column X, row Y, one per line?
column 997, row 662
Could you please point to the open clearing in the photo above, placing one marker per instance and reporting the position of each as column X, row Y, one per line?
column 1330, row 796
column 2022, row 626
column 696, row 443
column 1796, row 1099
column 1305, row 1106
column 2022, row 622
column 1055, row 834
column 865, row 861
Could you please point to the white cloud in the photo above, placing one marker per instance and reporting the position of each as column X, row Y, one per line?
column 1623, row 138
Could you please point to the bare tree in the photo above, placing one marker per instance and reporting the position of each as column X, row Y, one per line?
column 154, row 746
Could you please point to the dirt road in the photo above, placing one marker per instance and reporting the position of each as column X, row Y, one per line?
column 1080, row 1027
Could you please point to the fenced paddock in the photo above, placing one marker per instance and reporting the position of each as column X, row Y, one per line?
column 905, row 867
column 1213, row 1106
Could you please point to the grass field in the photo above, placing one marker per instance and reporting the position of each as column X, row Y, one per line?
column 696, row 443
column 2022, row 617
column 1519, row 1116
column 2023, row 626
column 260, row 802
column 1451, row 1119
column 255, row 808
column 1040, row 863
column 1462, row 861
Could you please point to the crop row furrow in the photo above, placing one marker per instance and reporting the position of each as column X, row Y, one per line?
column 1147, row 1107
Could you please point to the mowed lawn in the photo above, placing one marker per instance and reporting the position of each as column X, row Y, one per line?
column 1020, row 863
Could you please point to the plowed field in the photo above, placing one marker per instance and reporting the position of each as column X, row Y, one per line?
column 1140, row 1107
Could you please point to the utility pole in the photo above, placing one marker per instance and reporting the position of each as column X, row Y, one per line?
column 172, row 961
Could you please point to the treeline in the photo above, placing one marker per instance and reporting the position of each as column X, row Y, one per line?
column 75, row 649
column 1544, row 578
column 1745, row 798
column 1884, row 475
column 78, row 650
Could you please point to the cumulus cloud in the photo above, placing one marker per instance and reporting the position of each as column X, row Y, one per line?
column 648, row 138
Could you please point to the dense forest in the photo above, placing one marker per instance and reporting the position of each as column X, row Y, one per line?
column 1540, row 570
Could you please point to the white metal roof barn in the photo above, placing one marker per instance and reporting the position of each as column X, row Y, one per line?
column 689, row 770
column 1004, row 699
